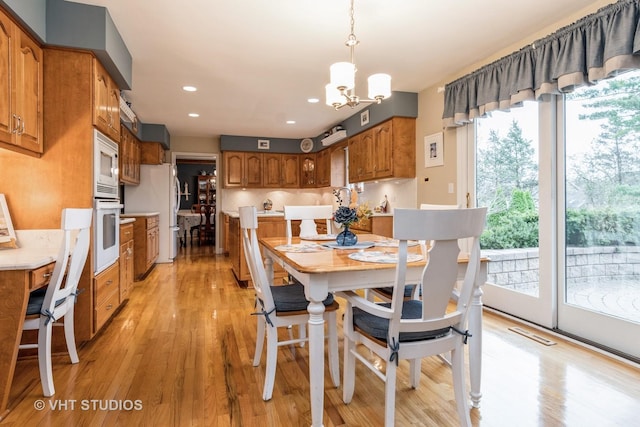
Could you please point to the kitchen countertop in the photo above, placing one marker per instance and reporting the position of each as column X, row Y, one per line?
column 135, row 214
column 35, row 249
column 235, row 214
column 127, row 220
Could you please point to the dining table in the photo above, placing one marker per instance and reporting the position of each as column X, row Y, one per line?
column 322, row 266
column 186, row 220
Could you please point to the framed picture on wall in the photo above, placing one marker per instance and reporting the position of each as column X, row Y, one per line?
column 433, row 150
column 7, row 234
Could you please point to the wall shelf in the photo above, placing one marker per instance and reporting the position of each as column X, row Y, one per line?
column 334, row 137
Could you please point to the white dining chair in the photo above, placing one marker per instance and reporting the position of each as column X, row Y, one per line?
column 280, row 306
column 47, row 306
column 414, row 329
column 307, row 216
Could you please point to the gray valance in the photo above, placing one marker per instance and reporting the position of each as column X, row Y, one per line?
column 596, row 47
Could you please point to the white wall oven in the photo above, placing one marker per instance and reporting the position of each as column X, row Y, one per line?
column 106, row 233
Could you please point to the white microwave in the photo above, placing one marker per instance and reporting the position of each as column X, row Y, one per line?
column 105, row 166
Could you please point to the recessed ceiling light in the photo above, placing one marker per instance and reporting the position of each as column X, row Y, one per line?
column 189, row 88
column 291, row 122
column 194, row 115
column 313, row 100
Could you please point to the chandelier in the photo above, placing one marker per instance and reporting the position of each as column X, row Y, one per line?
column 341, row 90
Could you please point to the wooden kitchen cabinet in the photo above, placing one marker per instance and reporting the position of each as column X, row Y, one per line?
column 281, row 170
column 106, row 102
column 106, row 294
column 126, row 261
column 267, row 227
column 129, row 158
column 381, row 225
column 242, row 169
column 384, row 151
column 323, row 168
column 151, row 153
column 146, row 244
column 308, row 167
column 21, row 90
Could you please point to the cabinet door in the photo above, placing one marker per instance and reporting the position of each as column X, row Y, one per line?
column 383, row 152
column 101, row 110
column 114, row 110
column 272, row 174
column 308, row 173
column 253, row 170
column 28, row 80
column 290, row 170
column 7, row 123
column 323, row 168
column 233, row 169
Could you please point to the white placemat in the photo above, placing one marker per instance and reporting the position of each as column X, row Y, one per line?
column 393, row 243
column 358, row 245
column 301, row 247
column 382, row 257
column 319, row 237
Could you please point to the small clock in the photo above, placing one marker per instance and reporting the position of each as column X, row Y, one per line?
column 306, row 145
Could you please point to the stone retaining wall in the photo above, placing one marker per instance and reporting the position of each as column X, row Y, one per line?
column 517, row 269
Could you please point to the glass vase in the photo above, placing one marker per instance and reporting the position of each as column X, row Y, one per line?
column 346, row 237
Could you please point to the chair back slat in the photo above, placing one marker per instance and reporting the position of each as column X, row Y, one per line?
column 443, row 228
column 307, row 216
column 249, row 230
column 70, row 261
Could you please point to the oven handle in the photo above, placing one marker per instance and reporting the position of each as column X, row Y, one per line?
column 108, row 204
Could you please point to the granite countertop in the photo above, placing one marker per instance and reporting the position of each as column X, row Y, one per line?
column 35, row 249
column 127, row 221
column 135, row 214
column 235, row 214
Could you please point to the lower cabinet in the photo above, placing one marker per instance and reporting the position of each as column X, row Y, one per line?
column 267, row 227
column 146, row 243
column 126, row 261
column 106, row 295
column 380, row 225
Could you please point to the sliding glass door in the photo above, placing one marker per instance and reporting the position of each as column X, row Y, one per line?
column 561, row 179
column 600, row 274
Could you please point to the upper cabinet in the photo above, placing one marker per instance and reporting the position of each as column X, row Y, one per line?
column 281, row 170
column 308, row 171
column 384, row 151
column 323, row 168
column 21, row 69
column 106, row 102
column 129, row 158
column 242, row 169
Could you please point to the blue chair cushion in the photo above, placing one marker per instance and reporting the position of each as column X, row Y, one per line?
column 291, row 297
column 378, row 327
column 388, row 291
column 36, row 298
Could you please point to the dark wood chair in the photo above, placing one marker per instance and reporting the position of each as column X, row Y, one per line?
column 206, row 230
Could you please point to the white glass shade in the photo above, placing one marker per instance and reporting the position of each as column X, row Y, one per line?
column 379, row 86
column 343, row 75
column 333, row 95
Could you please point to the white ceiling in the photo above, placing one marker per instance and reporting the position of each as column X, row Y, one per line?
column 255, row 62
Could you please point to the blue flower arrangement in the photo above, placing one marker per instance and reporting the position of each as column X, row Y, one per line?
column 344, row 215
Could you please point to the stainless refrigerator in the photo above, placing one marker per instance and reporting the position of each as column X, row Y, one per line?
column 159, row 191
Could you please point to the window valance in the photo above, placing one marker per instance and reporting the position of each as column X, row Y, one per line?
column 596, row 47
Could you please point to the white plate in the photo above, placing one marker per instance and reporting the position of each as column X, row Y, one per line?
column 319, row 237
column 359, row 245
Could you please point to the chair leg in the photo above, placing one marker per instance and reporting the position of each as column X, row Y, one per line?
column 390, row 395
column 272, row 359
column 70, row 336
column 259, row 341
column 459, row 385
column 349, row 369
column 334, row 362
column 415, row 366
column 44, row 359
column 302, row 333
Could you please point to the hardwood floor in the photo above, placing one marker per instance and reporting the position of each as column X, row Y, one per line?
column 179, row 353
